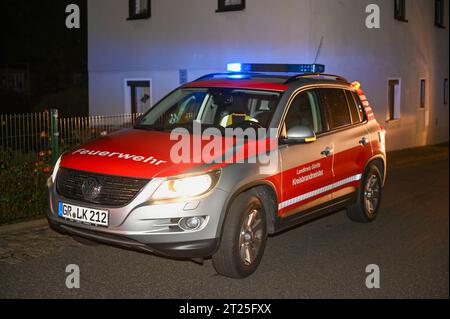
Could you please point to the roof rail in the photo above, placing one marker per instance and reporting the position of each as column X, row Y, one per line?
column 237, row 75
column 213, row 75
column 319, row 76
column 208, row 76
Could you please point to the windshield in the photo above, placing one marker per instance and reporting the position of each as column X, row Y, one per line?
column 212, row 107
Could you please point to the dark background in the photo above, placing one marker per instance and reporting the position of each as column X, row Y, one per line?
column 51, row 58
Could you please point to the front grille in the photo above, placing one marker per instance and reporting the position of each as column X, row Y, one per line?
column 115, row 191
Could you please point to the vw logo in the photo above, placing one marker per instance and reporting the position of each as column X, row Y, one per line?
column 91, row 188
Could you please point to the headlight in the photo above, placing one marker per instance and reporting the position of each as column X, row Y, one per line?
column 186, row 187
column 55, row 169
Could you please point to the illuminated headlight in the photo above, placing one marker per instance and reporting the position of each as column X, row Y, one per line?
column 56, row 169
column 186, row 187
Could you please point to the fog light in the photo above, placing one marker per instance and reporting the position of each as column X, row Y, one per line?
column 191, row 223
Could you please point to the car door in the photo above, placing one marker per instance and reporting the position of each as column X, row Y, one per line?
column 307, row 167
column 351, row 140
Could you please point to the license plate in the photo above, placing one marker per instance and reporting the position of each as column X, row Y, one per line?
column 84, row 215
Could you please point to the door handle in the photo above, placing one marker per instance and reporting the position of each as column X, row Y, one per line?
column 364, row 141
column 327, row 152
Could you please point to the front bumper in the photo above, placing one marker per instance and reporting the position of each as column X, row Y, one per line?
column 190, row 249
column 142, row 226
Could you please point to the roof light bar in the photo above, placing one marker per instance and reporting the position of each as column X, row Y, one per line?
column 276, row 68
column 234, row 67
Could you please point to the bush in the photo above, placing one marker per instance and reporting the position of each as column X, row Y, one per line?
column 23, row 179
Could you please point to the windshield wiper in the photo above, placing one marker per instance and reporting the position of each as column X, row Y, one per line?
column 149, row 128
column 188, row 126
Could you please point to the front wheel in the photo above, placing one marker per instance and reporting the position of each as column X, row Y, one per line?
column 243, row 238
column 365, row 210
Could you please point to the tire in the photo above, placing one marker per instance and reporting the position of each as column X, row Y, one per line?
column 241, row 247
column 366, row 208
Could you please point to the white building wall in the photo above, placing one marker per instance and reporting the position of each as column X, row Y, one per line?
column 191, row 35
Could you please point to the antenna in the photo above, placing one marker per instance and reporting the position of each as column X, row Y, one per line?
column 318, row 50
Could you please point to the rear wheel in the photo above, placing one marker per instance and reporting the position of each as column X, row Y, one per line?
column 365, row 210
column 243, row 238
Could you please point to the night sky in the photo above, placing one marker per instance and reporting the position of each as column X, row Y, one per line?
column 33, row 34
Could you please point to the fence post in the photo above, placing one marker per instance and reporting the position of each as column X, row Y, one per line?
column 55, row 135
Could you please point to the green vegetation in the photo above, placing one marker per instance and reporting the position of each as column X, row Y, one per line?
column 23, row 177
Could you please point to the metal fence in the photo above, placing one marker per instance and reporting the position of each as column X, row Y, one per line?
column 30, row 144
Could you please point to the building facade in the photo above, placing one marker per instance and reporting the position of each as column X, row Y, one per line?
column 140, row 50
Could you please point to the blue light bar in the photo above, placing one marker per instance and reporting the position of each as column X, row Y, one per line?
column 234, row 67
column 276, row 68
column 238, row 76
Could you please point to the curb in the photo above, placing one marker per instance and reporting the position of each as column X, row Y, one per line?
column 23, row 226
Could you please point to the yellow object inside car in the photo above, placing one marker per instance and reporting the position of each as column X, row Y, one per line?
column 236, row 118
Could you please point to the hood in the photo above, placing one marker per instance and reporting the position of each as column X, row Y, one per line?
column 146, row 154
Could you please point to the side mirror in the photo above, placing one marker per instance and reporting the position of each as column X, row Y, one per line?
column 300, row 134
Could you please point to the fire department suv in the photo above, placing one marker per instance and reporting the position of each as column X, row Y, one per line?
column 124, row 189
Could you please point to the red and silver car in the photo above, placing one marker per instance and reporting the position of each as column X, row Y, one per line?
column 132, row 189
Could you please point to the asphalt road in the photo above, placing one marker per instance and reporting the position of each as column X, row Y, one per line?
column 326, row 258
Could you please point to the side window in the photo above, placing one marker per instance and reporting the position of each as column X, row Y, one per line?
column 359, row 106
column 336, row 108
column 354, row 108
column 305, row 111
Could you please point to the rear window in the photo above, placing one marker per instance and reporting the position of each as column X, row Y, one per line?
column 336, row 108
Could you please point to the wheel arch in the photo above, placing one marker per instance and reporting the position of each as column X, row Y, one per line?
column 380, row 162
column 265, row 190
